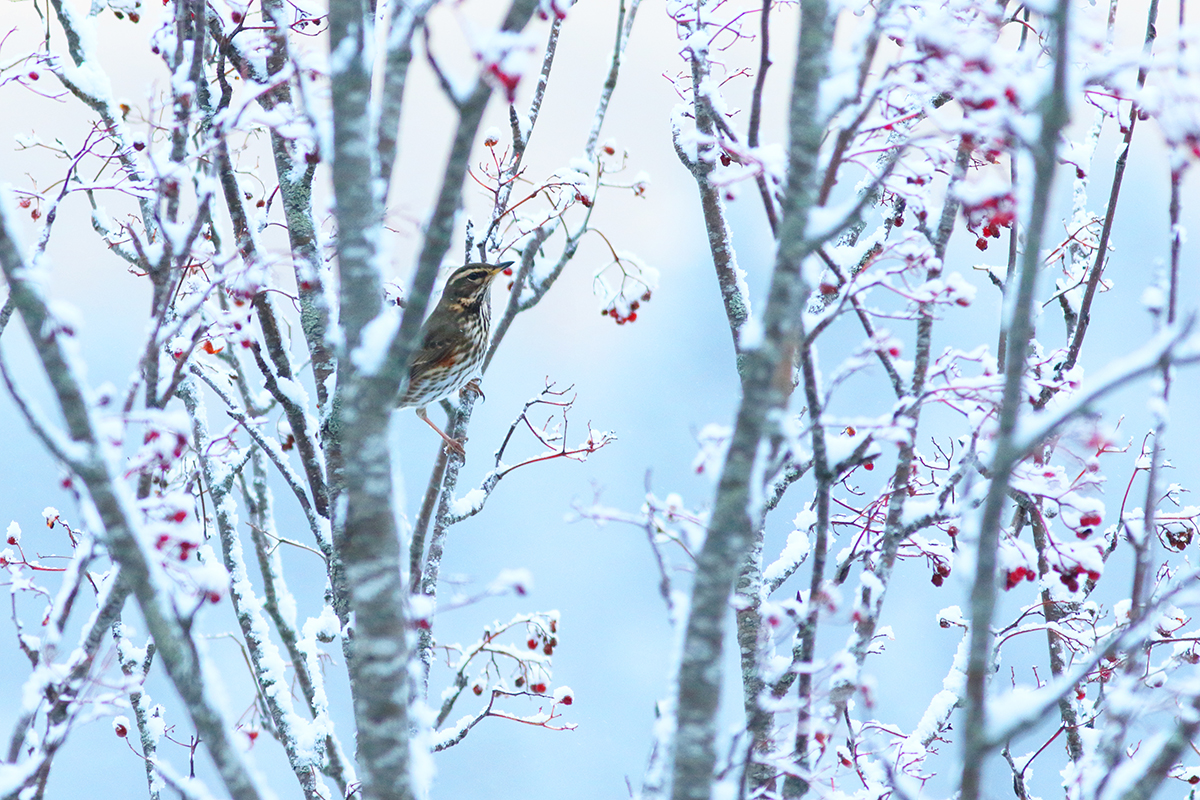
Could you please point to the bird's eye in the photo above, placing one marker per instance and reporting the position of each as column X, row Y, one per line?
column 479, row 274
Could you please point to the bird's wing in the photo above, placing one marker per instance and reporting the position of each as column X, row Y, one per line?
column 438, row 349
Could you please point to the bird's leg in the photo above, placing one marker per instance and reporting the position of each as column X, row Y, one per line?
column 453, row 444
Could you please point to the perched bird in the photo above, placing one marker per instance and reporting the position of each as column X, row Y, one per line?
column 454, row 341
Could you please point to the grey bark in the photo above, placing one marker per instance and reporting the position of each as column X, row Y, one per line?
column 764, row 392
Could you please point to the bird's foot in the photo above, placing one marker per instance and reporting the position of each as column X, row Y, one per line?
column 456, row 446
column 472, row 386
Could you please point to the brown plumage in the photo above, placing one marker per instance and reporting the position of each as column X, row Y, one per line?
column 454, row 341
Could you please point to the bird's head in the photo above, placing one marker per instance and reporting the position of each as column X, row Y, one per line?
column 468, row 284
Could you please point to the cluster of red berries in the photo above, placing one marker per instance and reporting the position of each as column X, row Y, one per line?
column 992, row 214
column 183, row 549
column 507, row 80
column 180, row 442
column 556, row 7
column 1070, row 575
column 1193, row 141
column 26, row 202
column 536, row 688
column 240, row 297
column 1015, row 576
column 629, row 316
column 1087, row 523
column 508, row 271
column 547, row 645
column 941, row 572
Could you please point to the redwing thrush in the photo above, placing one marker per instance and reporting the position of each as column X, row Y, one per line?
column 454, row 340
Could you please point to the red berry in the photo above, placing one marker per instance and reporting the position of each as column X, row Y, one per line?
column 937, row 579
column 179, row 516
column 567, row 700
column 33, row 75
column 632, row 316
column 548, row 649
column 828, row 289
column 1090, row 520
column 981, row 243
column 120, row 730
column 477, row 689
column 870, row 465
column 532, row 644
column 520, row 681
column 508, row 270
column 236, row 16
column 538, row 688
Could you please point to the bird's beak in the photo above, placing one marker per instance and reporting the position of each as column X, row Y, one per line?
column 503, row 265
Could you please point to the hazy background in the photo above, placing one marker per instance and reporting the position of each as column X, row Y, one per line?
column 654, row 383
